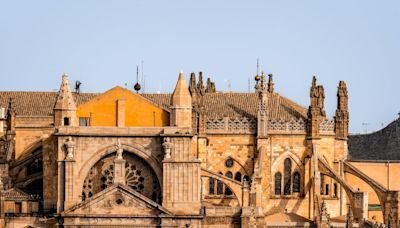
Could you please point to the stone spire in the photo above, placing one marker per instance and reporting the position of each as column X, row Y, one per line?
column 316, row 110
column 193, row 89
column 11, row 113
column 200, row 86
column 342, row 112
column 181, row 104
column 270, row 84
column 324, row 216
column 65, row 99
column 350, row 218
column 65, row 107
column 262, row 118
column 210, row 86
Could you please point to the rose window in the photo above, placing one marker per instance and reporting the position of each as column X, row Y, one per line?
column 139, row 176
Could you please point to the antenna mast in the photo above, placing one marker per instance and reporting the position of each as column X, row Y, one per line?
column 143, row 78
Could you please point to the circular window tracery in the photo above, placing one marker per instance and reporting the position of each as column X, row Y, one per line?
column 229, row 162
column 139, row 176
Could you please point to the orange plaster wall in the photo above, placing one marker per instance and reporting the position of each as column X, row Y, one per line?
column 139, row 112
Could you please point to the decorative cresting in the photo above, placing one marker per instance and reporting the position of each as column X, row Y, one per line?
column 249, row 125
column 327, row 125
column 138, row 175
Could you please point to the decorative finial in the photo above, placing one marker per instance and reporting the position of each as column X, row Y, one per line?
column 137, row 86
column 270, row 84
column 263, row 86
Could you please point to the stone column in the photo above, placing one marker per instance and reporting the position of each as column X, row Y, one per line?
column 69, row 174
column 119, row 166
column 69, row 186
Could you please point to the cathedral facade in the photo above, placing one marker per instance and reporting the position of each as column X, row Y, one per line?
column 192, row 158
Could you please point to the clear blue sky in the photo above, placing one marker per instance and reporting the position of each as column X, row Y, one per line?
column 100, row 43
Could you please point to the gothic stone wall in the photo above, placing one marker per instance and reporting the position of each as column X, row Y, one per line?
column 88, row 150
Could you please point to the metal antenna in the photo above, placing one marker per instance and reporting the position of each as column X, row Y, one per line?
column 142, row 77
column 258, row 66
column 366, row 126
column 137, row 74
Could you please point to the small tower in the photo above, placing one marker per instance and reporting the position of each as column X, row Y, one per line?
column 181, row 104
column 342, row 112
column 65, row 107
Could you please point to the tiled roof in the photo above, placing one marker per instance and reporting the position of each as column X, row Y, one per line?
column 15, row 194
column 37, row 103
column 380, row 145
column 218, row 105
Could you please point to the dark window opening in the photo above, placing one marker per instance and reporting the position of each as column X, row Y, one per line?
column 322, row 184
column 228, row 191
column 211, row 186
column 287, row 176
column 246, row 178
column 296, row 182
column 220, row 186
column 66, row 121
column 229, row 162
column 327, row 189
column 238, row 176
column 278, row 183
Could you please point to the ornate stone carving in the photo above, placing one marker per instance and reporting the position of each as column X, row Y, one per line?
column 69, row 145
column 167, row 145
column 327, row 125
column 138, row 175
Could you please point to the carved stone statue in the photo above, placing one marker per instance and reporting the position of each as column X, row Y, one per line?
column 69, row 145
column 167, row 145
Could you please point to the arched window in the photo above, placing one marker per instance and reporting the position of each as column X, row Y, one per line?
column 287, row 176
column 278, row 183
column 220, row 186
column 246, row 178
column 238, row 176
column 211, row 186
column 228, row 191
column 296, row 182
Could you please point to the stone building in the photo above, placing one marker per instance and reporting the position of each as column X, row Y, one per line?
column 193, row 158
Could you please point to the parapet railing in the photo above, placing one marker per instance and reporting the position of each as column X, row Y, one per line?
column 246, row 125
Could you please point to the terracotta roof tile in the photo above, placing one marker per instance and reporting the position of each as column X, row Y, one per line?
column 37, row 103
column 218, row 105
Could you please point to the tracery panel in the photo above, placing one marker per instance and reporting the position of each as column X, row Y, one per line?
column 139, row 176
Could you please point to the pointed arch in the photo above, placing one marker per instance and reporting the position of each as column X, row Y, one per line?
column 135, row 149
